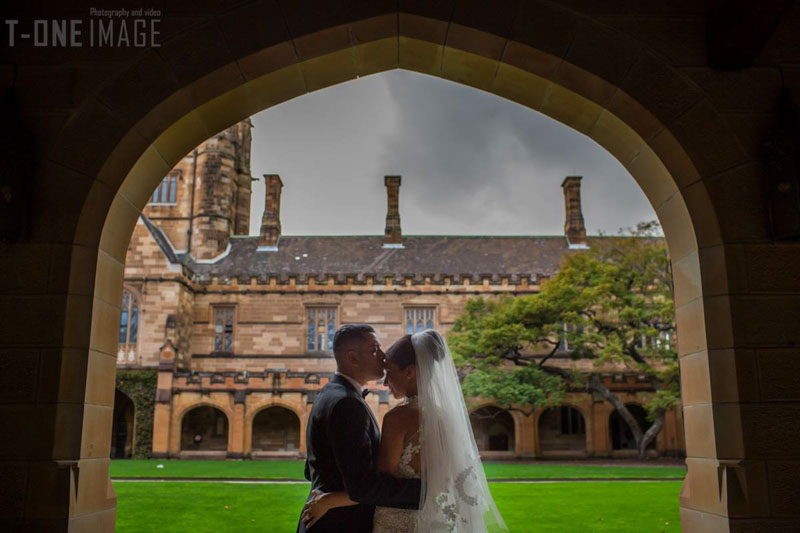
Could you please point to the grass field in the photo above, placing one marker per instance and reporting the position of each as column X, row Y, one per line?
column 200, row 507
column 294, row 470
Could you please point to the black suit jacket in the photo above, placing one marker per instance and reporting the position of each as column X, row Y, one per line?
column 342, row 439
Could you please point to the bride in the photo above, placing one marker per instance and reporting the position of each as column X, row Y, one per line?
column 427, row 436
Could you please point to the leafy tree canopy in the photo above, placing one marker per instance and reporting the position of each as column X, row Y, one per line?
column 611, row 304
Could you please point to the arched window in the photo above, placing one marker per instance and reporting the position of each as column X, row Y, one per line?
column 128, row 328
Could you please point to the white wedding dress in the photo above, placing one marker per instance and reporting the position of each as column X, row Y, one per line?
column 389, row 519
column 455, row 497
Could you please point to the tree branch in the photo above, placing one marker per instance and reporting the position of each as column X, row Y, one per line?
column 594, row 384
column 651, row 433
column 548, row 356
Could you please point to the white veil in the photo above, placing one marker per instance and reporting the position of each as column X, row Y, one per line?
column 455, row 496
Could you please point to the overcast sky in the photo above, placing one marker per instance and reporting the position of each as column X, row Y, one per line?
column 472, row 163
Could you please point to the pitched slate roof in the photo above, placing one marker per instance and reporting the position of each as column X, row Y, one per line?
column 161, row 239
column 357, row 256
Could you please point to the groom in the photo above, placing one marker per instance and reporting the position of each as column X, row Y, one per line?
column 342, row 439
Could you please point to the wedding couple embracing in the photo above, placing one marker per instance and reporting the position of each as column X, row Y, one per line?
column 423, row 473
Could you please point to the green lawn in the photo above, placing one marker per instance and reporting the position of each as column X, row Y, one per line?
column 527, row 507
column 294, row 470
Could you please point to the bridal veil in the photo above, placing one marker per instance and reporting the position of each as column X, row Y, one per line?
column 455, row 496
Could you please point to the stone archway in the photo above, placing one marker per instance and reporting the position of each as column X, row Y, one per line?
column 276, row 430
column 620, row 433
column 654, row 118
column 562, row 432
column 494, row 429
column 570, row 103
column 204, row 429
column 123, row 426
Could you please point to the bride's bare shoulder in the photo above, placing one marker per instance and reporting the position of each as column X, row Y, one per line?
column 401, row 415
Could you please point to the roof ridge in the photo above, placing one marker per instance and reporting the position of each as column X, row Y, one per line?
column 161, row 239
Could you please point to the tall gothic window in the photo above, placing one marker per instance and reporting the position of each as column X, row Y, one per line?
column 223, row 329
column 128, row 328
column 167, row 191
column 418, row 319
column 321, row 327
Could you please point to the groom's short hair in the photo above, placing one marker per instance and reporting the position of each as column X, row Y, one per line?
column 348, row 333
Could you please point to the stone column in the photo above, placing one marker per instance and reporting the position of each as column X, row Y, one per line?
column 600, row 413
column 163, row 408
column 236, row 440
column 523, row 435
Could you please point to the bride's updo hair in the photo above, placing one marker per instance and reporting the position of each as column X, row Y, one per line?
column 402, row 352
column 429, row 343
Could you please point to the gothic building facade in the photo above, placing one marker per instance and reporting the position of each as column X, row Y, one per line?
column 238, row 328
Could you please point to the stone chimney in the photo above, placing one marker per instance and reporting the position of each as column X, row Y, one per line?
column 271, row 221
column 574, row 230
column 393, row 236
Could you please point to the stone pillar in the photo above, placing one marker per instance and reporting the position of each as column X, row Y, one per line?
column 236, row 440
column 526, row 432
column 393, row 235
column 522, row 434
column 161, row 427
column 163, row 407
column 601, row 411
column 574, row 229
column 271, row 221
column 667, row 437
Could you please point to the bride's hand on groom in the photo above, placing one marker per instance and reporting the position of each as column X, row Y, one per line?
column 315, row 508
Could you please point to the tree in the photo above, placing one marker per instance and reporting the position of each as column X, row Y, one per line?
column 611, row 304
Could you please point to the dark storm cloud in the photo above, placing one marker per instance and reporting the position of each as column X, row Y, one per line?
column 471, row 163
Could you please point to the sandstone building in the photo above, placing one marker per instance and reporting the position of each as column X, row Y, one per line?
column 239, row 328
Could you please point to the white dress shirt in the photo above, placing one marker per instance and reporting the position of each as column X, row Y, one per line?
column 356, row 384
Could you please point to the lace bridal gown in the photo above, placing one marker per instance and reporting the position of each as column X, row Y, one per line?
column 389, row 519
column 454, row 497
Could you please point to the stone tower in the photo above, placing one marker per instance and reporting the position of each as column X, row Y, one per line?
column 222, row 190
